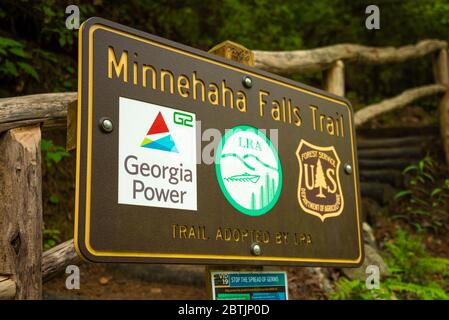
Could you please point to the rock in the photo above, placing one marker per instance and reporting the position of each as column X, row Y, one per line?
column 370, row 209
column 308, row 283
column 372, row 257
column 368, row 235
column 104, row 280
column 323, row 279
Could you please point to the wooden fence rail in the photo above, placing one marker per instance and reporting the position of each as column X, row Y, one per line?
column 23, row 266
column 320, row 59
column 51, row 109
column 401, row 100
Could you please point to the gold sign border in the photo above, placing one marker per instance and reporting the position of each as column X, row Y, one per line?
column 100, row 25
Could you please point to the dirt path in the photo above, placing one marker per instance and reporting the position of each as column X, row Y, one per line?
column 100, row 281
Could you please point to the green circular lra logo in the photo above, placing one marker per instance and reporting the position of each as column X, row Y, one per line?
column 248, row 170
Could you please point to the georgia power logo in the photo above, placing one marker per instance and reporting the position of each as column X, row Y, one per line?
column 319, row 189
column 157, row 156
column 154, row 140
column 248, row 170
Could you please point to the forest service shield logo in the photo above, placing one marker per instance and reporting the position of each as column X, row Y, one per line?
column 319, row 188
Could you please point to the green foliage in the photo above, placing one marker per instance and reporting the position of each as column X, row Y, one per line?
column 54, row 199
column 425, row 200
column 51, row 238
column 356, row 290
column 390, row 289
column 53, row 154
column 409, row 260
column 15, row 60
column 414, row 274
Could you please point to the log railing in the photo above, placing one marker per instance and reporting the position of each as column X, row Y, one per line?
column 319, row 59
column 331, row 60
column 22, row 264
column 401, row 100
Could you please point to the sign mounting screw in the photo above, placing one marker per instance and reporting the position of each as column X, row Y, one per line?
column 348, row 168
column 247, row 82
column 106, row 125
column 256, row 249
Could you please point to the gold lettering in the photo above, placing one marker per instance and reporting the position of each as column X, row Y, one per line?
column 183, row 86
column 321, row 122
column 182, row 232
column 298, row 119
column 146, row 68
column 330, row 126
column 189, row 85
column 313, row 109
column 309, row 185
column 330, row 173
column 169, row 74
column 283, row 110
column 195, row 82
column 278, row 238
column 192, row 234
column 303, row 238
column 218, row 234
column 227, row 234
column 262, row 102
column 289, row 107
column 135, row 73
column 236, row 235
column 341, row 126
column 227, row 90
column 241, row 101
column 173, row 226
column 212, row 94
column 203, row 233
column 118, row 67
column 275, row 110
column 244, row 235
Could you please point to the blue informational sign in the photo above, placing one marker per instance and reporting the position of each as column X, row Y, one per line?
column 244, row 285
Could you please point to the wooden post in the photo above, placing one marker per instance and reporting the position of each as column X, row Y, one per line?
column 441, row 74
column 440, row 67
column 334, row 78
column 21, row 212
column 72, row 120
column 235, row 52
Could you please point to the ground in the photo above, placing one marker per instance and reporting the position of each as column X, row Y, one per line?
column 100, row 281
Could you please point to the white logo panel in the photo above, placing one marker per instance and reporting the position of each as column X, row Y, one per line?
column 157, row 156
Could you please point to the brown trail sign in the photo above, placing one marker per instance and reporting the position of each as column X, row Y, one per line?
column 143, row 193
